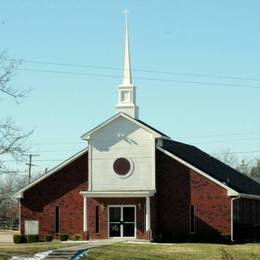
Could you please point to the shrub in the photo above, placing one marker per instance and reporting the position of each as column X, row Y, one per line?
column 32, row 238
column 18, row 239
column 48, row 238
column 76, row 237
column 64, row 237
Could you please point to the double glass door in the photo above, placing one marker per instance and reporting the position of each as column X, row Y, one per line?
column 121, row 221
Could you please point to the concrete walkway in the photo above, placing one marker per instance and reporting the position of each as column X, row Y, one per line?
column 69, row 252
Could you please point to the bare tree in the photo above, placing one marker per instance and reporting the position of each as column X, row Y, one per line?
column 9, row 209
column 12, row 138
column 255, row 171
column 6, row 188
column 241, row 165
column 228, row 158
column 7, row 71
column 12, row 142
column 244, row 167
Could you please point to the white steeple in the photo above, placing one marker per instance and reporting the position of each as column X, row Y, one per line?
column 126, row 91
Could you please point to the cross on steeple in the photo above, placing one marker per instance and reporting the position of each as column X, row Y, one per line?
column 125, row 12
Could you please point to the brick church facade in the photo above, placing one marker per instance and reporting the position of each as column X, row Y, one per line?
column 135, row 182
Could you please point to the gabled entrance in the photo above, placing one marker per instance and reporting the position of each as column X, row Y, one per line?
column 122, row 221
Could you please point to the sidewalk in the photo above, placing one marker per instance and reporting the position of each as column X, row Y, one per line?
column 71, row 251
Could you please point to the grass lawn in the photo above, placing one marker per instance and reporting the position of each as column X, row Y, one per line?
column 7, row 250
column 190, row 251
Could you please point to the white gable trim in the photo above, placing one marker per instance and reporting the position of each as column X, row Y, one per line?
column 19, row 194
column 87, row 135
column 230, row 191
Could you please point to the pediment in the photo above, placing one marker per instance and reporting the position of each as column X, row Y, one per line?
column 127, row 125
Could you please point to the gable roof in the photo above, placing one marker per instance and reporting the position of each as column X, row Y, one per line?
column 213, row 167
column 19, row 193
column 154, row 129
column 136, row 121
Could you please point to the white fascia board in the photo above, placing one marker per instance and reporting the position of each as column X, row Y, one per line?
column 117, row 194
column 248, row 196
column 19, row 194
column 87, row 135
column 230, row 191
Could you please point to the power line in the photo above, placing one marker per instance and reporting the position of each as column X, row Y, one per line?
column 62, row 159
column 230, row 140
column 216, row 135
column 175, row 137
column 140, row 70
column 67, row 143
column 198, row 83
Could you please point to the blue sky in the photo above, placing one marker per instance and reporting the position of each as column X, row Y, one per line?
column 185, row 38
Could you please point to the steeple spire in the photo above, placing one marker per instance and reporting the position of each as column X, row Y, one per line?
column 127, row 80
column 126, row 91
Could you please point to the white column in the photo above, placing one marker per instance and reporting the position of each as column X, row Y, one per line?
column 85, row 214
column 147, row 214
column 20, row 216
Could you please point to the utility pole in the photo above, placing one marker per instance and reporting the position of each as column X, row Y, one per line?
column 30, row 165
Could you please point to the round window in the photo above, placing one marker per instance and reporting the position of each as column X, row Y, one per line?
column 122, row 166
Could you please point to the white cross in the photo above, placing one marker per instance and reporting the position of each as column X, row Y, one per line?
column 126, row 12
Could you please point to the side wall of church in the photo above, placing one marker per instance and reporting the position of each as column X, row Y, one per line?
column 179, row 187
column 62, row 189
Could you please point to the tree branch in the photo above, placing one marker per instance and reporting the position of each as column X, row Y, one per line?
column 7, row 71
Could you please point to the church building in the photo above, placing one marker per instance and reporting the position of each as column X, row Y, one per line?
column 133, row 181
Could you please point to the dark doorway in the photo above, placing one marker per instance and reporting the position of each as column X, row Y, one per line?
column 121, row 221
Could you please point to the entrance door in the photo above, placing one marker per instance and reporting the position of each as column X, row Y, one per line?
column 121, row 221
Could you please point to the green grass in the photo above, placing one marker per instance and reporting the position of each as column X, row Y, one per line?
column 7, row 250
column 189, row 251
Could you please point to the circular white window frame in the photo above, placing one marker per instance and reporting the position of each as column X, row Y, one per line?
column 130, row 172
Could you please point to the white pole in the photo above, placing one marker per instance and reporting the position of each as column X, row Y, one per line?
column 147, row 214
column 85, row 214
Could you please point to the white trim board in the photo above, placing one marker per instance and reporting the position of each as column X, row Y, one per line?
column 19, row 194
column 87, row 135
column 117, row 194
column 230, row 191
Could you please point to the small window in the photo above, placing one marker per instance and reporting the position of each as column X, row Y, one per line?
column 97, row 219
column 125, row 96
column 192, row 219
column 57, row 219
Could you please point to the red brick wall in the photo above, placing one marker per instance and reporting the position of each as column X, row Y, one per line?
column 60, row 189
column 178, row 187
column 103, row 215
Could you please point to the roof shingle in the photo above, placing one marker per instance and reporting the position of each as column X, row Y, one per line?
column 213, row 167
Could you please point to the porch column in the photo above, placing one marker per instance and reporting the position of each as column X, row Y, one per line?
column 85, row 214
column 147, row 214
